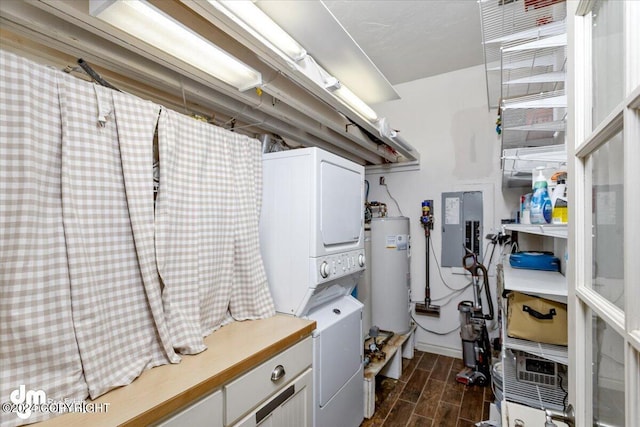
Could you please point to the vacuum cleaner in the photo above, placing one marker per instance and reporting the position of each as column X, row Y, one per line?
column 426, row 308
column 476, row 347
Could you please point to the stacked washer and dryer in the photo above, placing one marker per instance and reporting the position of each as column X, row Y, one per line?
column 312, row 245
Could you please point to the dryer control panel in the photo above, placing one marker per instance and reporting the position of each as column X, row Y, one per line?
column 335, row 266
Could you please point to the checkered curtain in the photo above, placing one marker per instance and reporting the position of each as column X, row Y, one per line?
column 207, row 242
column 80, row 298
column 38, row 346
column 107, row 199
column 83, row 308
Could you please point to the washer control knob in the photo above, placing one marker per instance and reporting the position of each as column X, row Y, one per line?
column 324, row 270
column 361, row 260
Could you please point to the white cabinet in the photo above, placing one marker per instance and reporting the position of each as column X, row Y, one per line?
column 205, row 412
column 514, row 414
column 290, row 407
column 549, row 285
column 279, row 387
column 278, row 393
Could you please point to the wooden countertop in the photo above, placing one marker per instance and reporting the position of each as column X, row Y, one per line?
column 232, row 350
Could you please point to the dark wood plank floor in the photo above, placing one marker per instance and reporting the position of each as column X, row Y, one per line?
column 427, row 395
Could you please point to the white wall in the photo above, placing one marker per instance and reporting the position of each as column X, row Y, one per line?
column 447, row 120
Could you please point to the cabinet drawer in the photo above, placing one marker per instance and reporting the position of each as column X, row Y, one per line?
column 205, row 412
column 292, row 406
column 252, row 388
column 514, row 415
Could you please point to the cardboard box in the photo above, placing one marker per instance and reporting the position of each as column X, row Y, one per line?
column 536, row 319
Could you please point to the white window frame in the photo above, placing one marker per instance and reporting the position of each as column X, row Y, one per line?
column 581, row 143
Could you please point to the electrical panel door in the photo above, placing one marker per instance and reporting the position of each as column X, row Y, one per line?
column 461, row 226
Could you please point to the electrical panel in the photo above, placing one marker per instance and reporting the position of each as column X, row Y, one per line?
column 461, row 226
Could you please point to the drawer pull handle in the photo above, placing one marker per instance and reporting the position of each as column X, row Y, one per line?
column 537, row 314
column 271, row 406
column 278, row 372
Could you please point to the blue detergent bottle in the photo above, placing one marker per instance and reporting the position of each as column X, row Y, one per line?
column 541, row 208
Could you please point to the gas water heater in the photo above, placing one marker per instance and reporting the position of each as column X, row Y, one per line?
column 390, row 278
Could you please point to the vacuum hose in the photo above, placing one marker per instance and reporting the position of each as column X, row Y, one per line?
column 471, row 264
column 487, row 291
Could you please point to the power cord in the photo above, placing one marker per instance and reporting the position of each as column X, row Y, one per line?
column 566, row 393
column 452, row 295
column 440, row 271
column 432, row 331
column 455, row 292
column 394, row 200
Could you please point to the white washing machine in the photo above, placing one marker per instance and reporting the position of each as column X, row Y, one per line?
column 337, row 363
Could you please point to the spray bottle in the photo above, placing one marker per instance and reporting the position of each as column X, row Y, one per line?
column 559, row 202
column 540, row 201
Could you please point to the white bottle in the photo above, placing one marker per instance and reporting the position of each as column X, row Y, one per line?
column 559, row 215
column 541, row 207
column 558, row 191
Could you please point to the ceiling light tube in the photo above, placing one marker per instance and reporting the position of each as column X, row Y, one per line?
column 262, row 24
column 356, row 103
column 147, row 23
column 395, row 136
column 351, row 99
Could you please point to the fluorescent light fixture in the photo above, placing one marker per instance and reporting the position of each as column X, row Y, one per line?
column 333, row 85
column 356, row 103
column 143, row 21
column 260, row 23
column 395, row 136
column 272, row 33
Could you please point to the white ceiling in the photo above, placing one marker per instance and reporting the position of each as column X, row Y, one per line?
column 413, row 39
